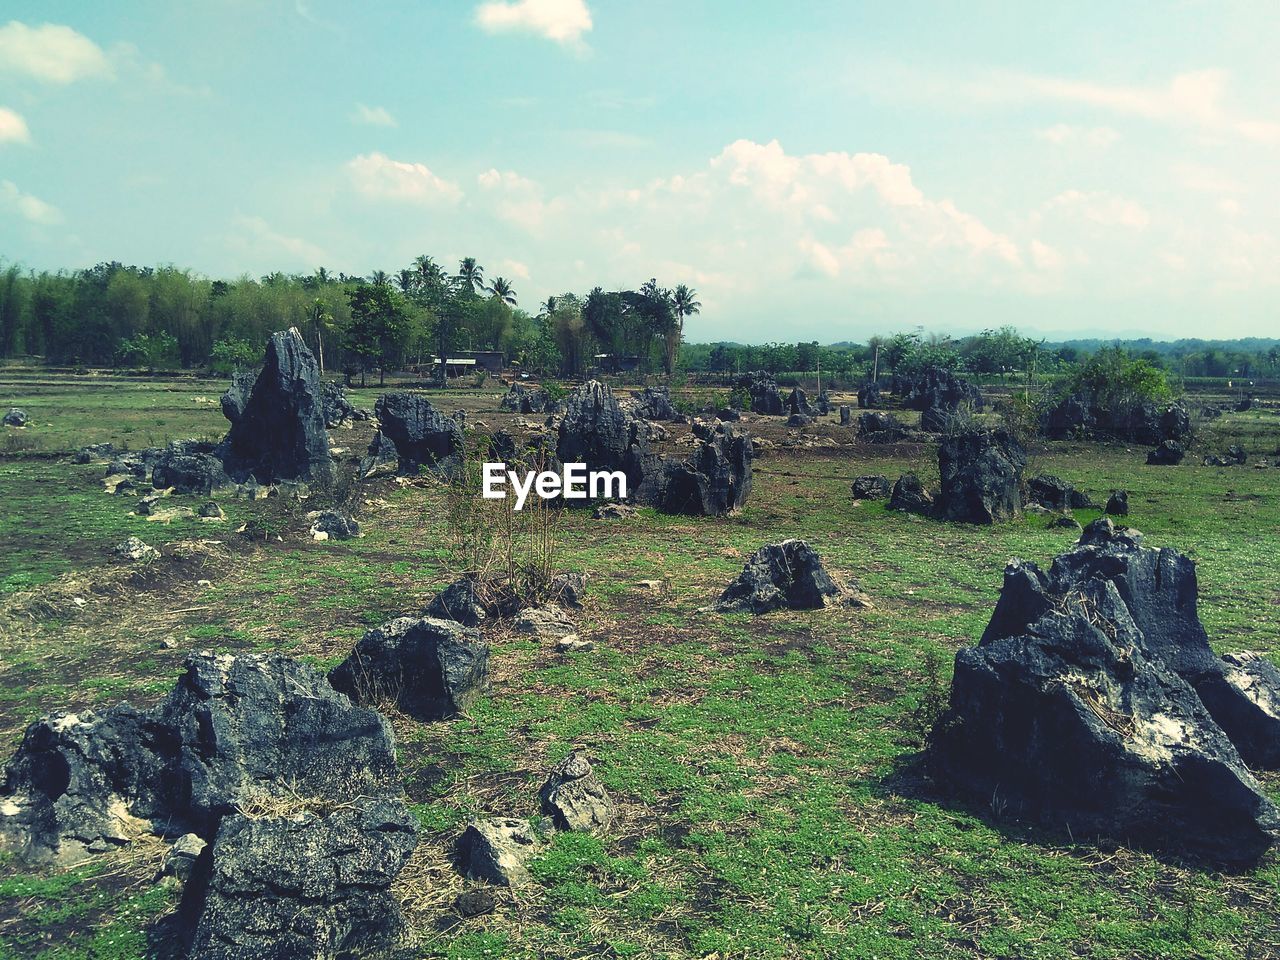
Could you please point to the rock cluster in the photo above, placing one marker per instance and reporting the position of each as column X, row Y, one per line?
column 872, row 487
column 412, row 434
column 1093, row 700
column 652, row 403
column 786, row 575
column 881, row 428
column 522, row 399
column 763, row 391
column 1081, row 415
column 1054, row 493
column 869, row 395
column 1169, row 453
column 1234, row 457
column 938, row 394
column 333, row 525
column 293, row 790
column 338, row 410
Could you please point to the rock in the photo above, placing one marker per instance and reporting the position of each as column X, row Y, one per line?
column 333, row 525
column 1234, row 457
column 475, row 903
column 869, row 396
column 309, row 884
column 522, row 399
column 575, row 799
column 180, row 859
column 472, row 601
column 1070, row 722
column 189, row 466
column 714, row 480
column 545, row 623
column 596, row 431
column 430, row 669
column 497, row 851
column 799, row 420
column 1056, row 494
column 278, row 429
column 415, row 435
column 94, row 451
column 1064, row 520
column 938, row 394
column 134, row 549
column 880, row 428
column 566, row 589
column 338, row 410
column 574, row 644
column 798, row 403
column 232, row 728
column 909, row 494
column 1117, row 504
column 981, row 473
column 871, row 487
column 763, row 391
column 1081, row 415
column 787, row 574
column 654, row 403
column 613, row 511
column 846, row 415
column 1244, row 404
column 728, row 415
column 1168, row 454
column 211, row 511
column 149, row 504
column 15, row 417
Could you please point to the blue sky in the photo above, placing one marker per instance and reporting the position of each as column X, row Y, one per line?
column 814, row 170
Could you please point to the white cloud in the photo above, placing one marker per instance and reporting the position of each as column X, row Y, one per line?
column 264, row 245
column 29, row 208
column 513, row 268
column 517, row 199
column 1063, row 134
column 13, row 128
column 1100, row 207
column 51, row 53
column 378, row 176
column 373, row 116
column 564, row 21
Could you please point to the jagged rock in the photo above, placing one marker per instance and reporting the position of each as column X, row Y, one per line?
column 522, row 399
column 501, row 448
column 430, row 669
column 798, row 403
column 566, row 589
column 714, row 480
column 211, row 511
column 1168, row 454
column 1080, row 415
column 498, row 850
column 846, row 415
column 1064, row 520
column 873, row 487
column 1244, row 404
column 1234, row 457
column 728, row 415
column 278, row 428
column 338, row 410
column 880, row 428
column 574, row 644
column 981, row 475
column 472, row 601
column 333, row 525
column 545, row 623
column 148, row 505
column 787, row 574
column 1070, row 721
column 654, row 403
column 232, row 728
column 575, row 799
column 1117, row 504
column 181, row 857
column 938, row 394
column 94, row 451
column 475, row 903
column 799, row 420
column 134, row 549
column 613, row 511
column 1056, row 494
column 15, row 417
column 189, row 466
column 869, row 396
column 413, row 434
column 763, row 391
column 909, row 495
column 307, row 885
column 596, row 431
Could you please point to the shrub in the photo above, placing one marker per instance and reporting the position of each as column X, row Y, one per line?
column 231, row 354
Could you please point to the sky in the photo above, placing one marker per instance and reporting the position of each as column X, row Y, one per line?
column 815, row 170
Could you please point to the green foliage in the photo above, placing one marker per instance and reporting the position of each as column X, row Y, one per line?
column 150, row 350
column 1111, row 378
column 232, row 354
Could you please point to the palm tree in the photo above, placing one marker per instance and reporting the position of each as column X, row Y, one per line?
column 319, row 317
column 379, row 278
column 471, row 274
column 549, row 307
column 684, row 303
column 406, row 280
column 501, row 288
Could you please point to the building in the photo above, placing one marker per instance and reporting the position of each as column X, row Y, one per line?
column 467, row 361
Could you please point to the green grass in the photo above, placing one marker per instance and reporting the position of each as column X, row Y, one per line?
column 769, row 805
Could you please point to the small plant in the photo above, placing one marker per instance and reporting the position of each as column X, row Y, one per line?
column 932, row 700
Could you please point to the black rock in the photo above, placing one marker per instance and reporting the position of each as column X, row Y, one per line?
column 338, row 410
column 1117, row 504
column 475, row 903
column 1072, row 723
column 938, row 394
column 278, row 429
column 981, row 475
column 1054, row 493
column 764, row 393
column 430, row 669
column 869, row 396
column 189, row 466
column 1243, row 404
column 799, row 420
column 714, row 480
column 1168, row 454
column 880, row 428
column 1081, row 415
column 1065, row 521
column 872, row 487
column 596, row 431
column 787, row 574
column 798, row 403
column 522, row 399
column 654, row 403
column 1234, row 457
column 909, row 494
column 728, row 415
column 95, row 451
column 415, row 435
column 333, row 525
column 15, row 417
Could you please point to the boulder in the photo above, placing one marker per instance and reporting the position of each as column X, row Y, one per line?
column 846, row 415
column 430, row 669
column 497, row 851
column 1082, row 415
column 180, row 859
column 1117, row 504
column 938, row 394
column 869, row 396
column 798, row 403
column 728, row 415
column 981, row 473
column 413, row 434
column 763, row 391
column 1242, row 405
column 15, row 417
column 909, row 495
column 1168, row 454
column 714, row 480
column 1234, row 457
column 872, row 487
column 880, row 428
column 613, row 511
column 1063, row 521
column 787, row 575
column 522, row 399
column 311, row 883
column 333, row 525
column 654, row 403
column 799, row 420
column 545, row 623
column 189, row 466
column 1070, row 722
column 338, row 410
column 278, row 428
column 575, row 799
column 1054, row 493
column 134, row 550
column 94, row 451
column 211, row 511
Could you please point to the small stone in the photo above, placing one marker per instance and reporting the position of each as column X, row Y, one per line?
column 168, row 643
column 574, row 644
column 211, row 511
column 545, row 623
column 574, row 797
column 134, row 549
column 497, row 851
column 181, row 858
column 16, row 417
column 475, row 903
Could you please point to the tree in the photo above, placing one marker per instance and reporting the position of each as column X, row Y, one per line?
column 318, row 319
column 470, row 276
column 501, row 289
column 379, row 327
column 684, row 303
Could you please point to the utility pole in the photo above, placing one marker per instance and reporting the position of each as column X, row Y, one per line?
column 875, row 369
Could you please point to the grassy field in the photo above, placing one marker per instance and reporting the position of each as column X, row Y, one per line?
column 766, row 768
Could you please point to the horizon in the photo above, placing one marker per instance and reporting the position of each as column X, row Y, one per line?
column 888, row 170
